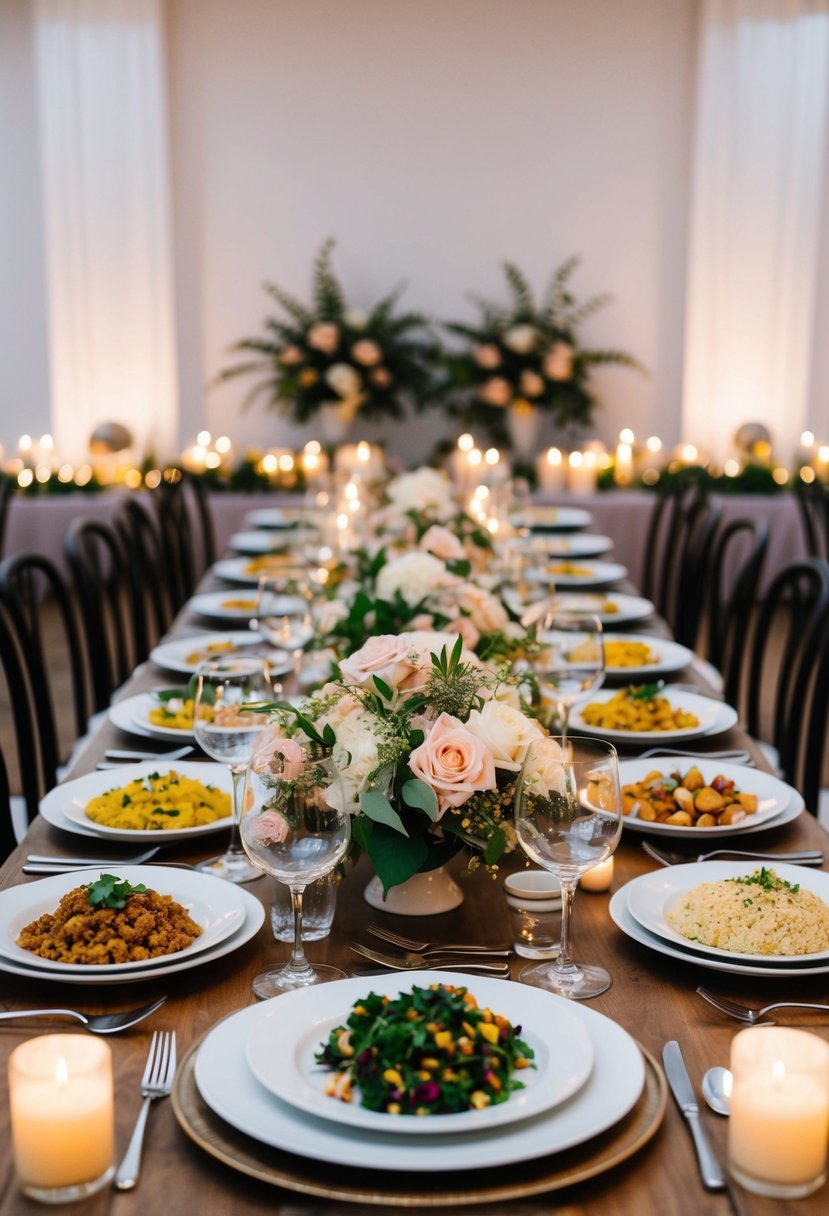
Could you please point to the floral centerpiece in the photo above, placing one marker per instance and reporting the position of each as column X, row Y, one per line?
column 429, row 744
column 324, row 353
column 526, row 355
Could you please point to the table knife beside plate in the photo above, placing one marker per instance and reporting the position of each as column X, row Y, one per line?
column 712, row 1176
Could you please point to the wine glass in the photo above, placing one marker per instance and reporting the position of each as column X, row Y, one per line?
column 297, row 827
column 226, row 730
column 283, row 612
column 568, row 818
column 570, row 663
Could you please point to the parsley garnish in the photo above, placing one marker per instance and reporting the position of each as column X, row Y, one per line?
column 769, row 880
column 108, row 891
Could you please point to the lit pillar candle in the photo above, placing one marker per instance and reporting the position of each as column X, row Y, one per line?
column 779, row 1111
column 623, row 465
column 599, row 877
column 60, row 1093
column 581, row 473
column 550, row 469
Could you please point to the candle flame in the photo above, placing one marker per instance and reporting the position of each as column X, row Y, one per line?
column 466, row 443
column 203, row 439
column 363, row 451
column 807, row 439
column 492, row 456
column 61, row 1073
column 626, row 435
column 778, row 1071
column 654, row 444
column 553, row 456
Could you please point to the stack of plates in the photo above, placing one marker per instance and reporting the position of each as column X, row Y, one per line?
column 579, row 544
column 229, row 918
column 256, row 1071
column 713, row 717
column 641, row 908
column 611, row 609
column 64, row 805
column 777, row 802
column 552, row 519
column 186, row 654
column 578, row 573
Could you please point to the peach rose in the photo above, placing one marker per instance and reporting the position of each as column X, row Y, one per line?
column 366, row 352
column 558, row 363
column 496, row 391
column 442, row 543
column 531, row 383
column 268, row 828
column 290, row 355
column 454, row 762
column 324, row 336
column 463, row 625
column 384, row 655
column 380, row 377
column 487, row 356
column 275, row 754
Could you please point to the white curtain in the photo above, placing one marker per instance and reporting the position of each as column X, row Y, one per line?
column 104, row 155
column 758, row 172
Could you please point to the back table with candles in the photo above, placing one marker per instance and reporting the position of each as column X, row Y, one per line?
column 645, row 1163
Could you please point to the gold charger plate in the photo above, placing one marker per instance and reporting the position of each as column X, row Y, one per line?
column 310, row 1177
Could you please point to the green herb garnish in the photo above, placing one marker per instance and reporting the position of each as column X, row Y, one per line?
column 769, row 880
column 645, row 692
column 108, row 891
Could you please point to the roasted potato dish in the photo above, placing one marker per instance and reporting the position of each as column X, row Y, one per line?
column 687, row 801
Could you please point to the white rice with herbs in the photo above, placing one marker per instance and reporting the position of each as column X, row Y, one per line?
column 760, row 914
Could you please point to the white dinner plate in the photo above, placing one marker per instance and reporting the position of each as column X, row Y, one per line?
column 611, row 608
column 274, row 517
column 185, row 654
column 228, row 605
column 713, row 717
column 133, row 716
column 579, row 544
column 578, row 573
column 229, row 1088
column 212, row 903
column 256, row 542
column 552, row 519
column 629, row 925
column 280, row 1053
column 650, row 898
column 670, row 657
column 773, row 795
column 248, row 570
column 64, row 805
column 254, row 919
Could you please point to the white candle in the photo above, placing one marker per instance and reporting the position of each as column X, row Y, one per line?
column 550, row 470
column 599, row 877
column 581, row 473
column 60, row 1093
column 779, row 1110
column 623, row 464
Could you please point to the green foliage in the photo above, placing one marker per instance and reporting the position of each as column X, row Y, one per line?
column 109, row 891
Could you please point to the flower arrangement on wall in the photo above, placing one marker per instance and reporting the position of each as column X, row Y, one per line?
column 326, row 353
column 525, row 355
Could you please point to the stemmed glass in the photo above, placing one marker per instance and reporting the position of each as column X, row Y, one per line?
column 568, row 818
column 296, row 826
column 570, row 664
column 226, row 730
column 283, row 612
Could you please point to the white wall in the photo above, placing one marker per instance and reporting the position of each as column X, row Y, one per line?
column 432, row 140
column 24, row 372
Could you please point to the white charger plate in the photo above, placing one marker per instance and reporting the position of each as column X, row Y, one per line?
column 583, row 574
column 280, row 1053
column 577, row 544
column 610, row 608
column 774, row 796
column 652, row 896
column 229, row 1088
column 227, row 605
column 184, row 655
column 274, row 517
column 237, row 569
column 552, row 519
column 254, row 919
column 713, row 717
column 671, row 657
column 212, row 903
column 623, row 918
column 64, row 805
column 257, row 542
column 132, row 715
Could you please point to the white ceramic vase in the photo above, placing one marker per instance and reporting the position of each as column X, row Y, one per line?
column 424, row 894
column 335, row 419
column 524, row 427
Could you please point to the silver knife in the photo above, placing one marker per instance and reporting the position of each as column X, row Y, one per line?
column 713, row 1178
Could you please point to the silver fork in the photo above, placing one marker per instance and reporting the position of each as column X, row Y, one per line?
column 76, row 863
column 157, row 1082
column 417, row 962
column 98, row 1023
column 752, row 1016
column 427, row 948
column 808, row 857
column 737, row 755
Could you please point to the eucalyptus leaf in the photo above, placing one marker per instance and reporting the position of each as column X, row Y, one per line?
column 377, row 807
column 421, row 796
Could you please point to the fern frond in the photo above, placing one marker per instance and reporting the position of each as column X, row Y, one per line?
column 291, row 305
column 524, row 303
column 577, row 316
column 556, row 297
column 328, row 296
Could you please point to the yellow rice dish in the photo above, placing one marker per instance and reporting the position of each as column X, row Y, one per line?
column 174, row 714
column 760, row 914
column 159, row 802
column 637, row 710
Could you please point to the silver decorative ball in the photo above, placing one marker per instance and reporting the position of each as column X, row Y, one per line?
column 749, row 435
column 109, row 437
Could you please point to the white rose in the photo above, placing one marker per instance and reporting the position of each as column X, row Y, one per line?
column 414, row 575
column 521, row 338
column 506, row 732
column 419, row 489
column 355, row 753
column 355, row 318
column 329, row 614
column 385, row 655
column 544, row 770
column 344, row 379
column 442, row 543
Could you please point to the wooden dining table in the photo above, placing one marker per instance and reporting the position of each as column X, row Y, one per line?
column 652, row 997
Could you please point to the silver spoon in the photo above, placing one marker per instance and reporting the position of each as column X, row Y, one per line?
column 716, row 1089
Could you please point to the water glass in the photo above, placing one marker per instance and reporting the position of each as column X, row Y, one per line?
column 319, row 902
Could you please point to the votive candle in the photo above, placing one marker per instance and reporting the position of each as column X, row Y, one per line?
column 550, row 468
column 63, row 1132
column 779, row 1123
column 598, row 878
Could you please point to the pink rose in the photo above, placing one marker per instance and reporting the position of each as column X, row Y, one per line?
column 470, row 633
column 268, row 828
column 496, row 391
column 531, row 383
column 366, row 352
column 487, row 356
column 385, row 655
column 274, row 753
column 558, row 363
column 453, row 762
column 290, row 355
column 324, row 336
column 442, row 543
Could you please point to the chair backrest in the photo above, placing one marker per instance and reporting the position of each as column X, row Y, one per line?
column 8, row 840
column 813, row 739
column 187, row 532
column 6, row 492
column 677, row 551
column 785, row 648
column 813, row 503
column 115, row 637
column 150, row 575
column 737, row 558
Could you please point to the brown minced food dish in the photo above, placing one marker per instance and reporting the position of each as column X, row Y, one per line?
column 148, row 926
